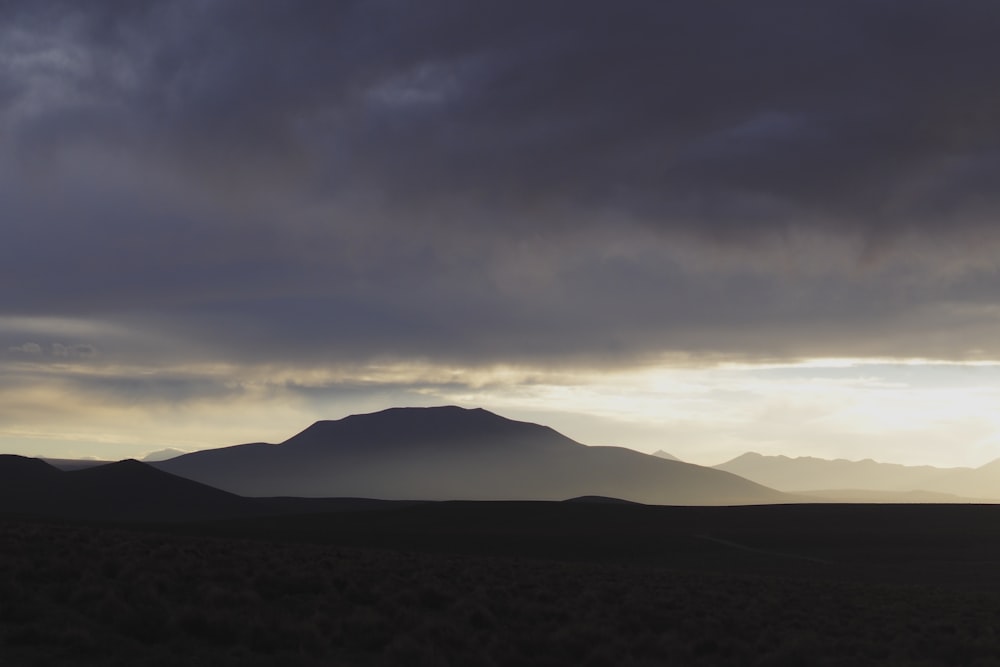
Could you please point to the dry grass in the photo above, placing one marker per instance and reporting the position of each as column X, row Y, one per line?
column 79, row 595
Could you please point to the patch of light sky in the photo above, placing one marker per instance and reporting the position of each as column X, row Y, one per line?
column 910, row 411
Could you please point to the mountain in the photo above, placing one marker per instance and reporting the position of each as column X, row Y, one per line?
column 20, row 475
column 454, row 453
column 74, row 464
column 659, row 453
column 120, row 491
column 148, row 493
column 868, row 478
column 162, row 454
column 806, row 473
column 891, row 497
column 981, row 482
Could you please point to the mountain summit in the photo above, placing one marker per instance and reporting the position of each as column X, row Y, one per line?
column 405, row 429
column 449, row 452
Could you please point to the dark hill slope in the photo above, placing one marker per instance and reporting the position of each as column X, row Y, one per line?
column 22, row 469
column 23, row 479
column 115, row 491
column 133, row 490
column 452, row 453
column 74, row 464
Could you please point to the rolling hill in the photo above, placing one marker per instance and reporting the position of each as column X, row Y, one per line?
column 134, row 491
column 121, row 491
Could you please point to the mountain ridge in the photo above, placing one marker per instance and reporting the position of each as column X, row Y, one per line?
column 448, row 452
column 811, row 474
column 123, row 490
column 445, row 423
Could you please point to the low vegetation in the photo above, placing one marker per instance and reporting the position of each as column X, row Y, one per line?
column 74, row 594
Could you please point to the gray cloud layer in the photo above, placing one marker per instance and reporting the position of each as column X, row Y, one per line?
column 306, row 182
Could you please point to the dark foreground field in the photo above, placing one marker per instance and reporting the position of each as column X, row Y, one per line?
column 511, row 584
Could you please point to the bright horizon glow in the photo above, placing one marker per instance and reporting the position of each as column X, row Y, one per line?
column 910, row 411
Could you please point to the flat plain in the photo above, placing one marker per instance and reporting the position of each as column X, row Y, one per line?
column 463, row 583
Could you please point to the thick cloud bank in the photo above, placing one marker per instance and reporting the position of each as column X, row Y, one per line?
column 302, row 183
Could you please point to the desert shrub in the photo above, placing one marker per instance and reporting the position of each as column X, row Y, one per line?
column 408, row 649
column 798, row 650
column 366, row 629
column 148, row 623
column 27, row 635
column 18, row 607
column 210, row 625
column 81, row 641
column 434, row 598
column 270, row 638
column 168, row 600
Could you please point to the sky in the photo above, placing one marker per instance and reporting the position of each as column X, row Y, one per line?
column 700, row 226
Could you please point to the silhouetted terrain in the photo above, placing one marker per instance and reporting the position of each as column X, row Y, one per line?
column 130, row 490
column 452, row 453
column 807, row 473
column 22, row 479
column 123, row 490
column 202, row 576
column 905, row 543
column 510, row 583
column 191, row 574
column 867, row 496
column 163, row 454
column 981, row 482
column 74, row 464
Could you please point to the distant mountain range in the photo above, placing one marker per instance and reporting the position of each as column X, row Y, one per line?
column 449, row 453
column 454, row 453
column 868, row 480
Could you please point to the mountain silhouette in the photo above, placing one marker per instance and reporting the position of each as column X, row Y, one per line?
column 805, row 473
column 892, row 497
column 454, row 453
column 21, row 476
column 15, row 468
column 150, row 493
column 867, row 478
column 162, row 454
column 121, row 491
column 981, row 482
column 74, row 464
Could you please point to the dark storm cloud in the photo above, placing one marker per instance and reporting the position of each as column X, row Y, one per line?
column 751, row 113
column 508, row 181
